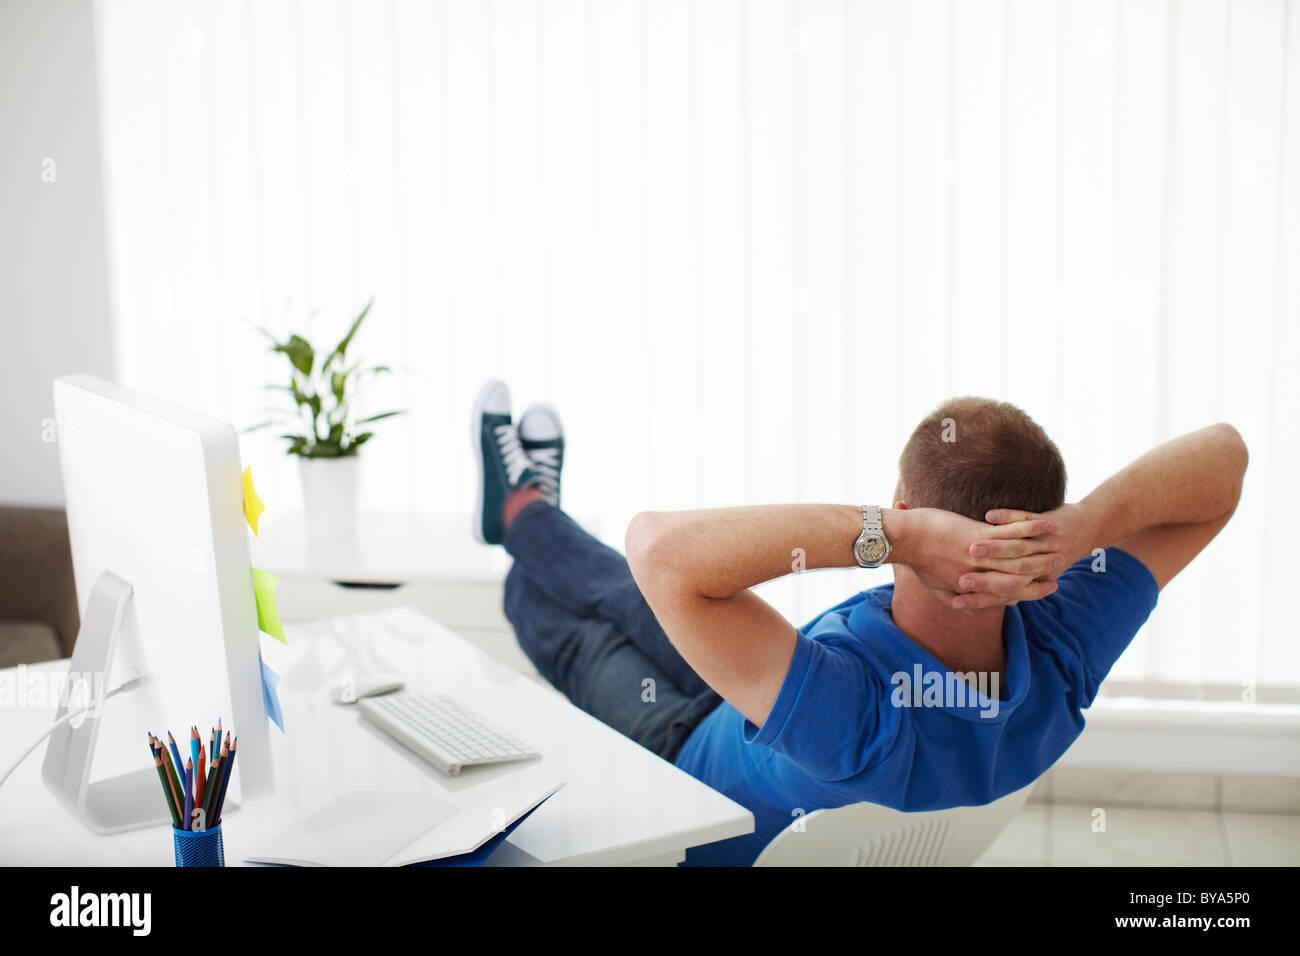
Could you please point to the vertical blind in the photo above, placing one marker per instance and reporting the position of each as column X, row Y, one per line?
column 743, row 247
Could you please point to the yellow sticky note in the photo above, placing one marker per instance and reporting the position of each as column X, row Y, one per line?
column 268, row 614
column 253, row 506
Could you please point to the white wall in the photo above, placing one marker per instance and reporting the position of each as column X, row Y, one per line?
column 54, row 313
column 743, row 247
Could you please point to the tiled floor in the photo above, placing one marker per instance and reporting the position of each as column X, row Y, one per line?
column 1058, row 834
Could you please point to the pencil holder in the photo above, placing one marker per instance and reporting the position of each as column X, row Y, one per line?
column 199, row 847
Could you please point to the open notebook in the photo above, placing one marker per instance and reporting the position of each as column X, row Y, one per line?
column 381, row 828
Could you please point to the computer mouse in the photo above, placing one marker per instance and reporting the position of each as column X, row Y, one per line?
column 349, row 690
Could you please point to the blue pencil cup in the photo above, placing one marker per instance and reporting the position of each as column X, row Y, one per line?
column 199, row 847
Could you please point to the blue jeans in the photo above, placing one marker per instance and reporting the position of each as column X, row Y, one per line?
column 582, row 621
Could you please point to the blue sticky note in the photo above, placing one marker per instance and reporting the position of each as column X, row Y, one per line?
column 269, row 695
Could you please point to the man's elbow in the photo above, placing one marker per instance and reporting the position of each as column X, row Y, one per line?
column 658, row 553
column 1233, row 442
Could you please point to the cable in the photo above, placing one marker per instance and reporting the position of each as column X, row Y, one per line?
column 129, row 685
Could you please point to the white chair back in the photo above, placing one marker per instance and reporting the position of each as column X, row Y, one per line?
column 867, row 834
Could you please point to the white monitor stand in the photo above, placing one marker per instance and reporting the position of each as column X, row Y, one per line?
column 118, row 803
column 128, row 801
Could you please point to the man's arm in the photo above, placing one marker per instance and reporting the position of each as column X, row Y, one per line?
column 1163, row 508
column 695, row 569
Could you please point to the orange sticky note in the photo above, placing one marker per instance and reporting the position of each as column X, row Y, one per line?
column 253, row 506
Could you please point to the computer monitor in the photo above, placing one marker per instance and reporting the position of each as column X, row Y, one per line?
column 164, row 582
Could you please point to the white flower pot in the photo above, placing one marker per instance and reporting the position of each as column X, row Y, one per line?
column 329, row 491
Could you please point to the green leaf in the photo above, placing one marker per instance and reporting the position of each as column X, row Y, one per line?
column 325, row 450
column 375, row 418
column 338, row 382
column 301, row 355
column 361, row 439
column 361, row 373
column 299, row 398
column 341, row 349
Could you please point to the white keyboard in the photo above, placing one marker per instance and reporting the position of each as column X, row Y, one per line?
column 442, row 730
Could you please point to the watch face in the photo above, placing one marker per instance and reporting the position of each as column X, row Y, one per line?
column 871, row 549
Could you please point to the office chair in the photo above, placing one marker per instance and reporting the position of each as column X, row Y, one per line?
column 866, row 834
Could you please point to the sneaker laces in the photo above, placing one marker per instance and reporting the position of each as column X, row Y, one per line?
column 512, row 453
column 546, row 462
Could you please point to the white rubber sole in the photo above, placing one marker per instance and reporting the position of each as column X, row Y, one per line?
column 476, row 440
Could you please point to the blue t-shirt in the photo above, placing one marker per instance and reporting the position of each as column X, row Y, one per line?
column 847, row 728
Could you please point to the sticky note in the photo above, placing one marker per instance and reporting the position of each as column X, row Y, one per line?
column 271, row 697
column 253, row 506
column 268, row 614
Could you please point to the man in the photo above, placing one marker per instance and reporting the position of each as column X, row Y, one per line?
column 958, row 684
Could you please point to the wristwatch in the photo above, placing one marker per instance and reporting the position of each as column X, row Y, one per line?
column 872, row 547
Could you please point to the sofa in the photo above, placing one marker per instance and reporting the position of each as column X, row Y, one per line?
column 38, row 597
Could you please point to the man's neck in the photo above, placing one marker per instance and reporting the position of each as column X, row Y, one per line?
column 961, row 640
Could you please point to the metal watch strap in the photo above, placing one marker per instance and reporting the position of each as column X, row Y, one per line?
column 871, row 523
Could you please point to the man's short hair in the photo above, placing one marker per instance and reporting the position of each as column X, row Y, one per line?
column 971, row 455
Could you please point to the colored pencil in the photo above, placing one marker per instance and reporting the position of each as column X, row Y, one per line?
column 214, row 742
column 229, row 764
column 176, row 755
column 218, row 768
column 162, row 778
column 173, row 783
column 194, row 746
column 200, row 776
column 209, row 788
column 227, row 754
column 189, row 794
column 176, row 769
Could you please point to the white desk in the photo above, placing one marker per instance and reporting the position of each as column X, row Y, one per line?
column 621, row 804
column 425, row 561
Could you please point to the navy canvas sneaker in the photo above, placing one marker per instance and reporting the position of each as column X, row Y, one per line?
column 503, row 464
column 542, row 436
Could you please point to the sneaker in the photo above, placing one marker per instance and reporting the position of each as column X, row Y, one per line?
column 542, row 436
column 502, row 462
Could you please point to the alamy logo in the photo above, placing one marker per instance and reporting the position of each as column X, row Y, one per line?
column 946, row 689
column 102, row 909
column 79, row 694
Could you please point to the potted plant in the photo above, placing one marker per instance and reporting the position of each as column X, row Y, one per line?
column 323, row 429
